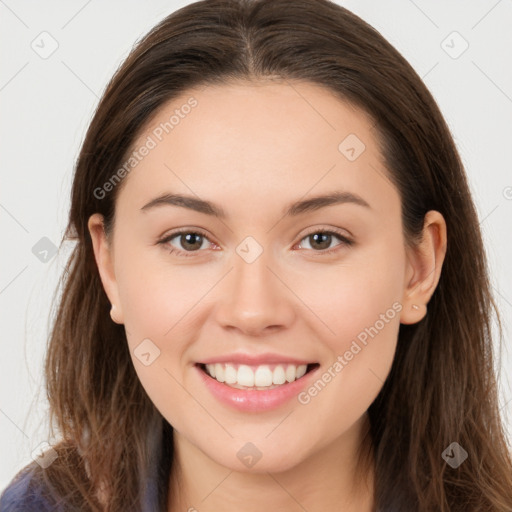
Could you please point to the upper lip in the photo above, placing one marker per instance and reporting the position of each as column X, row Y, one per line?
column 254, row 360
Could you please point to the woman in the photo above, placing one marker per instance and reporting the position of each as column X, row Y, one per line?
column 207, row 354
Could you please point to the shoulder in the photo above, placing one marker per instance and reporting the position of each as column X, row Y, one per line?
column 24, row 494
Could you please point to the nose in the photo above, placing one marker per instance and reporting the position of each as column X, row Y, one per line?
column 256, row 299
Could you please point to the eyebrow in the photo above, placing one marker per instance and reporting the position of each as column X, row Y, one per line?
column 296, row 208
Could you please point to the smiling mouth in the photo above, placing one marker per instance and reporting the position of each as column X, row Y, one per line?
column 260, row 377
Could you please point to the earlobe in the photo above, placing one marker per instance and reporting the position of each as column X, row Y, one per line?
column 423, row 271
column 113, row 314
column 104, row 261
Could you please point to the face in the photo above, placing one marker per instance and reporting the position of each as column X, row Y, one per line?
column 273, row 283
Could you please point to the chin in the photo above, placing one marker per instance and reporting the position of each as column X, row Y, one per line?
column 250, row 460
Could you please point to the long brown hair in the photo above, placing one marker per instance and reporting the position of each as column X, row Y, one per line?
column 441, row 388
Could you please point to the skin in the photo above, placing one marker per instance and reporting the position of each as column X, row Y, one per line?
column 254, row 148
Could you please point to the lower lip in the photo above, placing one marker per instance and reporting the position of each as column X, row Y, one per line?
column 254, row 400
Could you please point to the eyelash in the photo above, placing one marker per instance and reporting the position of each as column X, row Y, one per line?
column 344, row 241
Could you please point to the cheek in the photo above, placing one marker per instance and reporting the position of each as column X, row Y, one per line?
column 155, row 292
column 353, row 295
column 359, row 305
column 360, row 356
column 157, row 302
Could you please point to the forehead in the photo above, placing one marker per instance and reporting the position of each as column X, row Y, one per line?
column 266, row 141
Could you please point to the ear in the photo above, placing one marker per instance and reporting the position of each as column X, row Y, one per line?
column 104, row 256
column 423, row 269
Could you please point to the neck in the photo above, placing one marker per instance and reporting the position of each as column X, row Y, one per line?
column 329, row 479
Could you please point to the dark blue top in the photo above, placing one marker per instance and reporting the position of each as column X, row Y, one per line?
column 21, row 495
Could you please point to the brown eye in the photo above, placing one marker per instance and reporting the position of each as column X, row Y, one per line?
column 190, row 241
column 187, row 242
column 320, row 241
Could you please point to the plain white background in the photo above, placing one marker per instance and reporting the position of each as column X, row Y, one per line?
column 48, row 100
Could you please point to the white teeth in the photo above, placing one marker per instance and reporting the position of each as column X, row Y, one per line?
column 230, row 375
column 279, row 376
column 219, row 372
column 263, row 376
column 211, row 369
column 301, row 370
column 257, row 377
column 291, row 373
column 245, row 376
